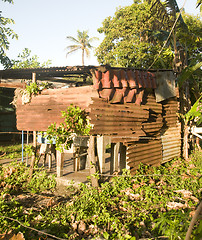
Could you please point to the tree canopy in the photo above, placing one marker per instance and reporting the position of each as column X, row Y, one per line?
column 5, row 33
column 135, row 35
column 25, row 60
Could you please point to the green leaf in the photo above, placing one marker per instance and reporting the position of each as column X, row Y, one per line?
column 187, row 72
column 106, row 235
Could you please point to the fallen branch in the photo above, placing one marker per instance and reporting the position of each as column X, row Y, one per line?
column 36, row 230
column 197, row 213
column 3, row 154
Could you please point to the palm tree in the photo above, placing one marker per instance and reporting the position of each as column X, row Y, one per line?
column 82, row 42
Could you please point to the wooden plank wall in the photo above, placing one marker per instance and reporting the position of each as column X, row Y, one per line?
column 46, row 107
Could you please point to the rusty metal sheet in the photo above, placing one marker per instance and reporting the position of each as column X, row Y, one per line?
column 171, row 143
column 121, row 121
column 165, row 85
column 154, row 123
column 46, row 108
column 170, row 110
column 147, row 152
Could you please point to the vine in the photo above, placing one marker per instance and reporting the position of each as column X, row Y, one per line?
column 75, row 123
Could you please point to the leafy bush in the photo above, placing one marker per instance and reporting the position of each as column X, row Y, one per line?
column 75, row 123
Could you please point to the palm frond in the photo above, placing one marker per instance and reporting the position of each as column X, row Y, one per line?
column 173, row 8
column 87, row 52
column 187, row 72
column 72, row 39
column 72, row 49
column 167, row 11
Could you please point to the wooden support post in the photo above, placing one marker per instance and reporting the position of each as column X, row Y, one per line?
column 33, row 159
column 101, row 148
column 27, row 144
column 49, row 161
column 114, row 157
column 92, row 160
column 122, row 157
column 76, row 159
column 60, row 163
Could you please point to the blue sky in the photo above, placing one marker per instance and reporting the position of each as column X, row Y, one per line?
column 42, row 25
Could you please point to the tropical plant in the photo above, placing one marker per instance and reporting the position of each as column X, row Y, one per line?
column 82, row 42
column 192, row 117
column 5, row 34
column 75, row 123
column 199, row 4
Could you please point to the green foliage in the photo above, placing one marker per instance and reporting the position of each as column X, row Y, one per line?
column 75, row 123
column 25, row 60
column 34, row 88
column 29, row 149
column 194, row 114
column 14, row 178
column 135, row 35
column 5, row 34
column 129, row 40
column 187, row 72
column 191, row 42
column 172, row 224
column 157, row 201
column 41, row 182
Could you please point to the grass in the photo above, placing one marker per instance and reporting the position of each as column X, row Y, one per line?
column 11, row 151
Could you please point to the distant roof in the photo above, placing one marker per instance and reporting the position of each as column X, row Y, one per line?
column 46, row 72
column 67, row 71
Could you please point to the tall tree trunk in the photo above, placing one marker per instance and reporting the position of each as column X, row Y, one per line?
column 185, row 142
column 82, row 57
